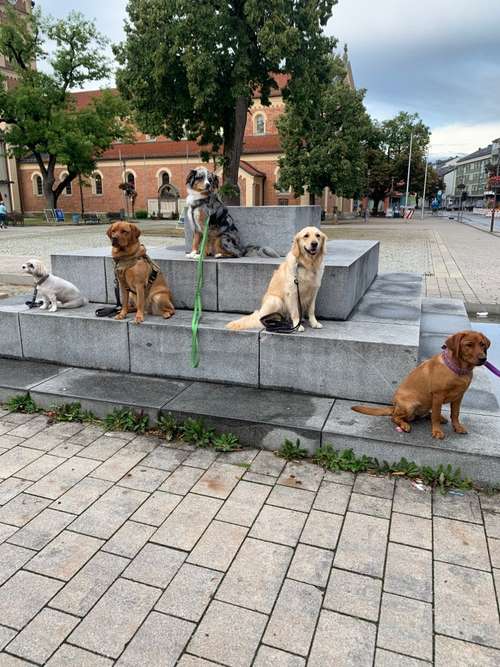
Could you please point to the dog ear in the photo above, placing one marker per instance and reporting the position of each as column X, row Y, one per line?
column 135, row 230
column 110, row 230
column 452, row 343
column 191, row 177
column 295, row 246
column 486, row 340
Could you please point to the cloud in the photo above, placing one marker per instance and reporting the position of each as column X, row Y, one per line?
column 437, row 58
column 457, row 138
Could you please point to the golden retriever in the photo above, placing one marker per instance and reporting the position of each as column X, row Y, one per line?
column 142, row 285
column 444, row 378
column 305, row 261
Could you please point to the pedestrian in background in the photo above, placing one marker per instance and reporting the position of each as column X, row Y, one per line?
column 3, row 216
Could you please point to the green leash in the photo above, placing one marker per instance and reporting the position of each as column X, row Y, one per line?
column 197, row 310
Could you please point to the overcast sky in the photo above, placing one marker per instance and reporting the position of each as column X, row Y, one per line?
column 440, row 58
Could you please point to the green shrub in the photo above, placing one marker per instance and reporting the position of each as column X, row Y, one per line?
column 22, row 403
column 194, row 432
column 126, row 420
column 141, row 215
column 292, row 451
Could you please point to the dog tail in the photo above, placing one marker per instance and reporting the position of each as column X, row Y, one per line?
column 248, row 322
column 379, row 412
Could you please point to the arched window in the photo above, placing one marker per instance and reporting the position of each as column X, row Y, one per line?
column 38, row 185
column 165, row 178
column 68, row 189
column 98, row 184
column 260, row 124
column 131, row 179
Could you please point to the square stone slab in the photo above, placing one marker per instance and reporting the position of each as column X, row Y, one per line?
column 102, row 391
column 255, row 415
column 19, row 375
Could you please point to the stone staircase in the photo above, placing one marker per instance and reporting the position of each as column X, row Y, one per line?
column 264, row 387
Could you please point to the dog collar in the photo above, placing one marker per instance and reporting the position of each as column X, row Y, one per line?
column 452, row 365
column 41, row 281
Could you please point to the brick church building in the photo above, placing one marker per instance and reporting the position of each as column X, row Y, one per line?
column 152, row 162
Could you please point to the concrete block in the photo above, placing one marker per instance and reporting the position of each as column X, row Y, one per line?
column 102, row 392
column 18, row 376
column 75, row 337
column 10, row 335
column 163, row 347
column 476, row 454
column 85, row 269
column 269, row 226
column 256, row 416
column 347, row 359
column 350, row 268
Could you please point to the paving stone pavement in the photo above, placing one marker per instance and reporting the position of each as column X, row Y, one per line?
column 128, row 551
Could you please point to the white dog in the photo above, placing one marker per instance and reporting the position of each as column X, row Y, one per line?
column 53, row 291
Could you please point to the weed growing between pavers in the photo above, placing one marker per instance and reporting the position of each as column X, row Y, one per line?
column 195, row 432
column 70, row 412
column 125, row 420
column 22, row 403
column 442, row 478
column 292, row 451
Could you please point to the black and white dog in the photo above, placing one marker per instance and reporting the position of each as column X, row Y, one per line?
column 204, row 206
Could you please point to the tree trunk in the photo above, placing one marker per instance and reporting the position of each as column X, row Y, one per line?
column 233, row 146
column 312, row 199
column 51, row 196
column 376, row 202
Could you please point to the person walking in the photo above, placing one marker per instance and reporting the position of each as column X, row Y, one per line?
column 3, row 216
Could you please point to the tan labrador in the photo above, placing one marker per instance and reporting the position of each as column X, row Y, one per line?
column 306, row 261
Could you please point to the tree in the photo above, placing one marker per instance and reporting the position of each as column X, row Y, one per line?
column 190, row 69
column 39, row 111
column 323, row 142
column 388, row 152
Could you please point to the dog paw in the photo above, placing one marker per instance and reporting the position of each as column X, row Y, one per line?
column 120, row 316
column 193, row 255
column 43, row 307
column 218, row 255
column 437, row 433
column 458, row 428
column 315, row 324
column 138, row 320
column 52, row 309
column 301, row 328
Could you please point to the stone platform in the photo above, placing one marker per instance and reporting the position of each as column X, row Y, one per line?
column 350, row 268
column 268, row 226
column 361, row 359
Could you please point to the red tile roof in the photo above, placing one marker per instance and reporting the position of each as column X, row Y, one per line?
column 250, row 169
column 259, row 144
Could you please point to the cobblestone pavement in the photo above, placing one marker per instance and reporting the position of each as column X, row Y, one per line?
column 458, row 260
column 118, row 549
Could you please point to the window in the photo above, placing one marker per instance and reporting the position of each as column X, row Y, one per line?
column 165, row 178
column 38, row 186
column 282, row 202
column 68, row 189
column 98, row 184
column 150, row 137
column 131, row 179
column 260, row 124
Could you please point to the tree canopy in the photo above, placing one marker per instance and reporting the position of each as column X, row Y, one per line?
column 191, row 69
column 41, row 115
column 324, row 138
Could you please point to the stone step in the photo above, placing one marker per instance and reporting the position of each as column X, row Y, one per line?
column 476, row 453
column 362, row 359
column 230, row 285
column 260, row 417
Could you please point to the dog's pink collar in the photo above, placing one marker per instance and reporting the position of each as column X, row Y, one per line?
column 452, row 365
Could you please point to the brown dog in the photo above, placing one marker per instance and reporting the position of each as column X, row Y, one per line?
column 441, row 379
column 141, row 281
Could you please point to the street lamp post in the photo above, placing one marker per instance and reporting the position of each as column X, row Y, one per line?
column 408, row 173
column 495, row 150
column 425, row 184
column 461, row 188
column 367, row 194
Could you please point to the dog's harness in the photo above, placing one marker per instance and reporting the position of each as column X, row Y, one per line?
column 34, row 303
column 449, row 363
column 122, row 264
